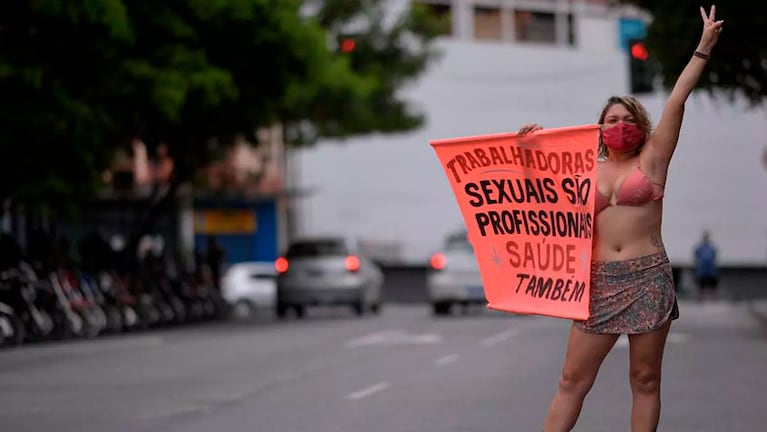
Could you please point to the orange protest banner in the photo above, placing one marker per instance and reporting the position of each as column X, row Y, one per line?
column 528, row 206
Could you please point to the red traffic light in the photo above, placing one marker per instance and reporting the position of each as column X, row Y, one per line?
column 348, row 45
column 639, row 51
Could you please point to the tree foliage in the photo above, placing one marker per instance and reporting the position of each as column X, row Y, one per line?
column 82, row 77
column 389, row 52
column 738, row 64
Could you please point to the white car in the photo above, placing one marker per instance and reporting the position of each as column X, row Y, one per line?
column 453, row 276
column 250, row 288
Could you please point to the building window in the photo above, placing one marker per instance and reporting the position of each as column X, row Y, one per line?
column 535, row 26
column 443, row 11
column 488, row 23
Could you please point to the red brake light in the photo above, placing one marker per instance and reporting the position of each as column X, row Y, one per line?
column 352, row 263
column 438, row 261
column 281, row 265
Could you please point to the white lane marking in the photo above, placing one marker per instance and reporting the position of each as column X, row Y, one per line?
column 373, row 338
column 498, row 338
column 672, row 338
column 450, row 358
column 234, row 396
column 622, row 342
column 368, row 391
column 173, row 411
column 394, row 337
column 677, row 338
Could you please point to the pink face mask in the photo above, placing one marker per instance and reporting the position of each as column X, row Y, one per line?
column 622, row 137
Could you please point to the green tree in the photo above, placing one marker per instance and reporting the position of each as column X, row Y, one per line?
column 389, row 52
column 83, row 77
column 52, row 130
column 738, row 64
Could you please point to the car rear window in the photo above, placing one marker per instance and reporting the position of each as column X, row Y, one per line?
column 458, row 242
column 316, row 248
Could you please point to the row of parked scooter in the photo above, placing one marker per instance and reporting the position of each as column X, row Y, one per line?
column 64, row 303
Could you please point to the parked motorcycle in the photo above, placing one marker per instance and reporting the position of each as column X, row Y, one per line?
column 11, row 327
column 18, row 289
column 114, row 288
column 93, row 293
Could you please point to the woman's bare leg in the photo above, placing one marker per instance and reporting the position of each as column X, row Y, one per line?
column 646, row 357
column 585, row 353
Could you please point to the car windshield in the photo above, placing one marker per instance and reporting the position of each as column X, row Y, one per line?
column 458, row 241
column 316, row 248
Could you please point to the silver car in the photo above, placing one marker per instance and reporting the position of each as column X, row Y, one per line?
column 453, row 276
column 327, row 271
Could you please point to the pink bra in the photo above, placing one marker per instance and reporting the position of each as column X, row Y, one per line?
column 637, row 189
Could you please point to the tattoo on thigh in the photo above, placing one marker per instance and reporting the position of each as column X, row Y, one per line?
column 656, row 241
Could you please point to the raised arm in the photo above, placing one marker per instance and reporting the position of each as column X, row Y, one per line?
column 663, row 140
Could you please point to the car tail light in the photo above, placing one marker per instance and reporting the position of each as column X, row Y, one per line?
column 281, row 265
column 438, row 261
column 352, row 263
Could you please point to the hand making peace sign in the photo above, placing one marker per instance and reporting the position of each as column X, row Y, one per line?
column 711, row 29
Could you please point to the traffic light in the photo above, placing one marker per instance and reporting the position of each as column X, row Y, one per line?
column 641, row 69
column 347, row 44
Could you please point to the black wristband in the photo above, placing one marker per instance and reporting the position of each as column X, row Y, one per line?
column 699, row 54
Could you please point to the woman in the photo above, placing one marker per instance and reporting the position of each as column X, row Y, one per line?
column 631, row 283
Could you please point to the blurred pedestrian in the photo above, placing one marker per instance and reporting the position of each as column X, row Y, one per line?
column 632, row 289
column 214, row 256
column 706, row 268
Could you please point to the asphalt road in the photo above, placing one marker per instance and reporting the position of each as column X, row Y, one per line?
column 402, row 370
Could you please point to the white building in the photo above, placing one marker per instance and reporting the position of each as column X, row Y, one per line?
column 554, row 62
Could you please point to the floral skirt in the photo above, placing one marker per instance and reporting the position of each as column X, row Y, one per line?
column 633, row 296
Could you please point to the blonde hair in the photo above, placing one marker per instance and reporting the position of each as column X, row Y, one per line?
column 636, row 109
